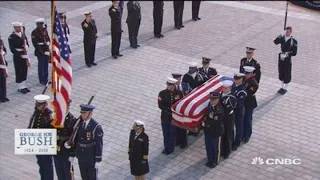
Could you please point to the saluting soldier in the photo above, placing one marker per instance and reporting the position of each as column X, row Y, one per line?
column 207, row 71
column 158, row 18
column 3, row 73
column 42, row 118
column 195, row 10
column 21, row 60
column 41, row 42
column 289, row 48
column 89, row 39
column 250, row 61
column 178, row 7
column 229, row 103
column 181, row 134
column 133, row 21
column 138, row 150
column 63, row 161
column 166, row 99
column 250, row 103
column 89, row 144
column 63, row 21
column 116, row 30
column 213, row 129
column 240, row 92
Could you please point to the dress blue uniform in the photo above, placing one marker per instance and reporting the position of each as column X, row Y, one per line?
column 213, row 130
column 228, row 102
column 90, row 35
column 251, row 62
column 250, row 103
column 241, row 93
column 89, row 145
column 42, row 119
column 116, row 30
column 3, row 73
column 209, row 72
column 41, row 42
column 61, row 160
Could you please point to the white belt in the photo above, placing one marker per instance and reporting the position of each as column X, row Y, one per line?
column 19, row 49
column 41, row 43
column 231, row 112
column 3, row 67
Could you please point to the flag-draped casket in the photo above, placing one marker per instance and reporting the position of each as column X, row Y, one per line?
column 188, row 112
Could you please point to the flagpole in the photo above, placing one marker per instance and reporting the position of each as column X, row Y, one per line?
column 285, row 18
column 53, row 87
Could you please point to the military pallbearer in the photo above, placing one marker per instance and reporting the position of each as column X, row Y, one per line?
column 206, row 71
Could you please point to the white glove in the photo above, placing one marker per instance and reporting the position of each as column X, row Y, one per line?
column 48, row 43
column 47, row 53
column 3, row 53
column 25, row 56
column 283, row 33
column 71, row 159
column 66, row 145
column 97, row 165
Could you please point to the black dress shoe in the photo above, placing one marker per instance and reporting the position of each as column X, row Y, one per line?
column 183, row 146
column 167, row 153
column 6, row 99
column 198, row 18
column 138, row 45
column 245, row 140
column 27, row 90
column 195, row 19
column 182, row 26
column 234, row 148
column 89, row 65
column 115, row 57
column 177, row 27
column 161, row 35
column 158, row 36
column 23, row 91
column 119, row 55
column 225, row 157
column 2, row 100
column 93, row 64
column 134, row 47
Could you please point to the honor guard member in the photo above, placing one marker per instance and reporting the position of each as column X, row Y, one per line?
column 206, row 71
column 90, row 35
column 121, row 2
column 158, row 18
column 3, row 73
column 229, row 103
column 240, row 92
column 166, row 99
column 138, row 150
column 63, row 161
column 116, row 30
column 250, row 103
column 195, row 10
column 89, row 144
column 41, row 42
column 181, row 134
column 250, row 61
column 178, row 7
column 63, row 22
column 213, row 129
column 42, row 118
column 133, row 21
column 21, row 60
column 289, row 48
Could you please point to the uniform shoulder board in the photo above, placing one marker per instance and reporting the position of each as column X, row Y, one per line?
column 85, row 25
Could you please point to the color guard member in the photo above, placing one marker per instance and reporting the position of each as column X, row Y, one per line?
column 63, row 21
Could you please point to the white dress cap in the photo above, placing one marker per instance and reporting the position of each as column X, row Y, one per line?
column 193, row 64
column 139, row 123
column 171, row 80
column 227, row 83
column 16, row 24
column 248, row 69
column 239, row 74
column 39, row 20
column 41, row 98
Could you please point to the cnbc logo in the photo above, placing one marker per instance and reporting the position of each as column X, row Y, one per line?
column 276, row 161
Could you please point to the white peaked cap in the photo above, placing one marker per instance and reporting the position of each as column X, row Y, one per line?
column 139, row 123
column 248, row 69
column 171, row 80
column 16, row 23
column 227, row 83
column 39, row 20
column 41, row 98
column 193, row 64
column 239, row 74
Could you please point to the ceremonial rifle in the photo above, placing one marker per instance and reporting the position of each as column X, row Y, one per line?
column 285, row 18
column 35, row 108
column 25, row 52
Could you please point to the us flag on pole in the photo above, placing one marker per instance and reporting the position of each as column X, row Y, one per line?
column 61, row 71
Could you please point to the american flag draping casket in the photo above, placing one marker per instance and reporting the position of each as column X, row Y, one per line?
column 189, row 111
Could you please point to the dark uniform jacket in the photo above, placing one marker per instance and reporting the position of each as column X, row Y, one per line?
column 158, row 8
column 229, row 103
column 193, row 82
column 63, row 134
column 208, row 75
column 134, row 12
column 213, row 121
column 40, row 41
column 184, row 87
column 254, row 63
column 166, row 99
column 89, row 142
column 138, row 153
column 240, row 92
column 4, row 49
column 290, row 46
column 252, row 86
column 41, row 119
column 16, row 45
column 115, row 14
column 90, row 32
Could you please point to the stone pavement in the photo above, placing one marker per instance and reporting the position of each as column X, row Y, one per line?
column 126, row 89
